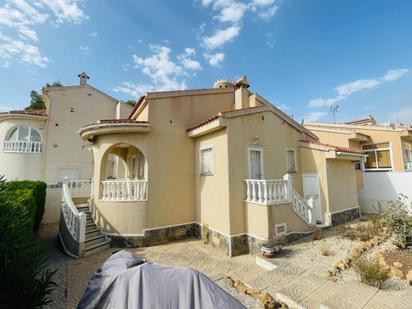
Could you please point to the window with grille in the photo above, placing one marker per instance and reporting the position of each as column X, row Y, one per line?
column 408, row 155
column 291, row 160
column 255, row 164
column 206, row 161
column 378, row 156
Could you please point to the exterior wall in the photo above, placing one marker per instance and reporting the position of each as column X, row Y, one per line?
column 274, row 137
column 88, row 106
column 212, row 192
column 18, row 166
column 341, row 185
column 381, row 188
column 314, row 162
column 257, row 220
column 127, row 218
column 333, row 138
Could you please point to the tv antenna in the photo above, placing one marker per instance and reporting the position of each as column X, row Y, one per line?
column 334, row 109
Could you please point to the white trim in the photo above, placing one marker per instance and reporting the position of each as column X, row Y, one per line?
column 384, row 169
column 294, row 157
column 262, row 165
column 346, row 209
column 320, row 193
column 206, row 147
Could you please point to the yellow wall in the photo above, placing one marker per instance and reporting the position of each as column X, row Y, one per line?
column 212, row 192
column 342, row 189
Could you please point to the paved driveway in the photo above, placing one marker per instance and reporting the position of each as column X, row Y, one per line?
column 293, row 283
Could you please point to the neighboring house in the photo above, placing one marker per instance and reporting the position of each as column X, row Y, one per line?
column 388, row 149
column 44, row 145
column 222, row 158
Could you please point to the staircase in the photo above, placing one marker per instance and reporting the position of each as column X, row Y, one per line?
column 79, row 234
column 95, row 241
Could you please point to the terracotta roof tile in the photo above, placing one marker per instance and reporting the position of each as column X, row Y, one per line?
column 337, row 148
column 33, row 112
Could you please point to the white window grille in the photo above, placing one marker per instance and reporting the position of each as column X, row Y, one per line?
column 291, row 160
column 206, row 161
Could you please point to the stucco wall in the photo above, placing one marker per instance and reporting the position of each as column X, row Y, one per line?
column 274, row 137
column 212, row 192
column 341, row 185
column 314, row 162
column 20, row 165
column 69, row 109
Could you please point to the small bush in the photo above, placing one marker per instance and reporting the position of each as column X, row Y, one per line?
column 22, row 198
column 362, row 232
column 38, row 189
column 401, row 228
column 325, row 250
column 24, row 280
column 371, row 272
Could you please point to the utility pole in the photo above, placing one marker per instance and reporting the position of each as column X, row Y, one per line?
column 334, row 109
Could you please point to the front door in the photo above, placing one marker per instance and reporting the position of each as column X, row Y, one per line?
column 311, row 193
column 255, row 164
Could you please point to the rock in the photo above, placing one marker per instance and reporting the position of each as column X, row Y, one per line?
column 266, row 300
column 341, row 265
column 252, row 292
column 397, row 272
column 397, row 265
column 240, row 286
column 409, row 277
column 229, row 281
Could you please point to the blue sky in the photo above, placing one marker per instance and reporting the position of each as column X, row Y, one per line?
column 302, row 55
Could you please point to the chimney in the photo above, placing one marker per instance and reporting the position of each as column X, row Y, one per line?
column 241, row 93
column 83, row 78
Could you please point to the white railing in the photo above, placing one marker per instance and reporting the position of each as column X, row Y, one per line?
column 79, row 188
column 302, row 207
column 408, row 165
column 124, row 190
column 21, row 146
column 75, row 221
column 268, row 191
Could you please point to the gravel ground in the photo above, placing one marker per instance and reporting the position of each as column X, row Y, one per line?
column 246, row 300
column 307, row 254
column 56, row 260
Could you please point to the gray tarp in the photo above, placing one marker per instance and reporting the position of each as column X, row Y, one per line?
column 125, row 281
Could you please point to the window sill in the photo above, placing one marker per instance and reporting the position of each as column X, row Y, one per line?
column 206, row 175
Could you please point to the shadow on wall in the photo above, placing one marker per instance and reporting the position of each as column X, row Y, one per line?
column 382, row 187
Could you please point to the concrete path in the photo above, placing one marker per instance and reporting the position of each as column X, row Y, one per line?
column 294, row 285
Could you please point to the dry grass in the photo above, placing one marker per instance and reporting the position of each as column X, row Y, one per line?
column 326, row 251
column 362, row 231
column 371, row 272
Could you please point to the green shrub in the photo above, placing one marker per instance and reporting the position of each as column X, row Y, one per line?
column 38, row 189
column 24, row 280
column 371, row 272
column 401, row 228
column 22, row 198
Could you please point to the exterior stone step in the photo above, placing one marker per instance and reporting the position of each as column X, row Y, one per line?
column 92, row 249
column 80, row 200
column 89, row 220
column 90, row 226
column 94, row 240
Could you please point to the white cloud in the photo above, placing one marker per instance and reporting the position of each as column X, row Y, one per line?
column 283, row 107
column 19, row 17
column 93, row 34
column 232, row 13
column 314, row 116
column 214, row 59
column 162, row 70
column 84, row 49
column 25, row 52
column 4, row 108
column 220, row 37
column 187, row 62
column 345, row 90
column 133, row 90
column 65, row 10
column 392, row 75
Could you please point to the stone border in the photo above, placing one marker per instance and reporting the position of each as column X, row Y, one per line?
column 157, row 236
column 345, row 216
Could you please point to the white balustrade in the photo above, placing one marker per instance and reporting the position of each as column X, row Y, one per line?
column 22, row 147
column 267, row 192
column 124, row 190
column 302, row 207
column 75, row 221
column 79, row 188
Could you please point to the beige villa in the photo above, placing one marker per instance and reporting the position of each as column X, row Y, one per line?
column 386, row 173
column 222, row 158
